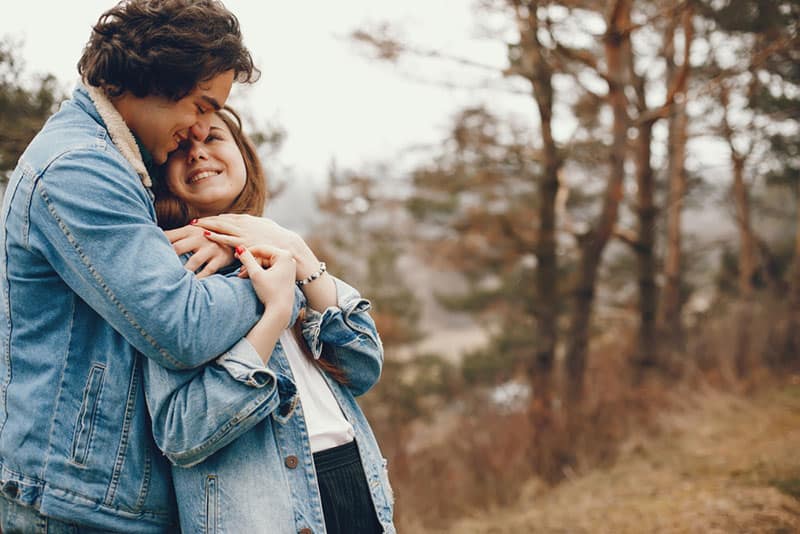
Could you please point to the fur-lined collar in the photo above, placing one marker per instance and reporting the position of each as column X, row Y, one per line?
column 120, row 133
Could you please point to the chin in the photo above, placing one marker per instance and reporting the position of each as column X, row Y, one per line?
column 159, row 158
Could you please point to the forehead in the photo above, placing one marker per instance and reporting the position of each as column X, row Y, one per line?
column 214, row 91
column 217, row 122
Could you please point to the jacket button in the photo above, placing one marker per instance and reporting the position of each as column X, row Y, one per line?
column 291, row 463
column 10, row 489
column 304, row 531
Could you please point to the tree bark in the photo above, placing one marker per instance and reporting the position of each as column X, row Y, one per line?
column 793, row 332
column 746, row 268
column 747, row 259
column 594, row 243
column 671, row 302
column 669, row 322
column 646, row 357
column 546, row 307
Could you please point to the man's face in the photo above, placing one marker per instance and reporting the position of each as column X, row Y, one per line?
column 162, row 124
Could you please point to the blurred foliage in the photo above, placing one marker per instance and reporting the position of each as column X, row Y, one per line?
column 24, row 105
column 361, row 236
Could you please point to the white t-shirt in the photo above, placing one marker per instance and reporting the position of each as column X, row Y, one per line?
column 327, row 426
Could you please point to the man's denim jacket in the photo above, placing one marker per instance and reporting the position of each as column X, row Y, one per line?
column 89, row 283
column 259, row 476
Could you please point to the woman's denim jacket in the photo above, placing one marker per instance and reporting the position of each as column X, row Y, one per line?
column 244, row 475
column 89, row 284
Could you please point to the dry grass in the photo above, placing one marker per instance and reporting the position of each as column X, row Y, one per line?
column 720, row 463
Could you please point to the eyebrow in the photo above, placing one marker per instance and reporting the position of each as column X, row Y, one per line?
column 212, row 102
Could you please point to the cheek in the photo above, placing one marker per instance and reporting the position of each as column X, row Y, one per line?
column 237, row 170
column 174, row 178
column 242, row 177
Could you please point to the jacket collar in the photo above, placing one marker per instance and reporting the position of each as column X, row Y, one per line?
column 121, row 135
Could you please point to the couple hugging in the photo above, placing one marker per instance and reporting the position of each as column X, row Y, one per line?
column 172, row 361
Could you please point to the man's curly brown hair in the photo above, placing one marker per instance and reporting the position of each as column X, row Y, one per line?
column 164, row 48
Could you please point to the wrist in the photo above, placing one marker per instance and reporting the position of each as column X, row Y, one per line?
column 306, row 263
column 279, row 309
column 316, row 275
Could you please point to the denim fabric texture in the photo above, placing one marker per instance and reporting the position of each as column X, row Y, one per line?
column 90, row 287
column 18, row 519
column 259, row 476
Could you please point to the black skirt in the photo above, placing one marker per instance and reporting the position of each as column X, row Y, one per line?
column 346, row 500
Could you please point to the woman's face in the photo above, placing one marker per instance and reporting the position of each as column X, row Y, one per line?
column 208, row 175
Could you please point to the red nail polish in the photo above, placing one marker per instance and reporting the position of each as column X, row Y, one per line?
column 193, row 221
column 239, row 249
column 206, row 233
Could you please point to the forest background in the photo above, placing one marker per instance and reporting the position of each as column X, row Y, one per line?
column 548, row 283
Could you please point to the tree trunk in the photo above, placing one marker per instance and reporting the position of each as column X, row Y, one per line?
column 747, row 260
column 594, row 243
column 645, row 358
column 746, row 269
column 671, row 303
column 547, row 268
column 792, row 353
column 546, row 307
column 747, row 257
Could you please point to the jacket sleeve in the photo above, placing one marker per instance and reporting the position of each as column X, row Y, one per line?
column 92, row 219
column 350, row 331
column 196, row 412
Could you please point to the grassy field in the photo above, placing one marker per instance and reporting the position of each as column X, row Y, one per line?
column 719, row 463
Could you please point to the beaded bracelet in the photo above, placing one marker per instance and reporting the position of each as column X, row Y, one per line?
column 313, row 276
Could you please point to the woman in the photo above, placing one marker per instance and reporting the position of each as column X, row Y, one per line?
column 269, row 438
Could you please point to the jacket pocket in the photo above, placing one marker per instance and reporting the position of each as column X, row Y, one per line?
column 212, row 504
column 84, row 426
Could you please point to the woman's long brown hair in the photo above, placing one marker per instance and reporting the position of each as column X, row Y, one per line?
column 172, row 212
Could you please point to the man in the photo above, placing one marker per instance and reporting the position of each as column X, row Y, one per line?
column 89, row 283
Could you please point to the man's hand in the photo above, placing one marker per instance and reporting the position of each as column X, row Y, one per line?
column 212, row 254
column 247, row 230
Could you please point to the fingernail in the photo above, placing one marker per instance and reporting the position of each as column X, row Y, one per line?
column 239, row 249
column 193, row 221
column 206, row 233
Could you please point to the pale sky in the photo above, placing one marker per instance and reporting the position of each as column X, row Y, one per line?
column 331, row 99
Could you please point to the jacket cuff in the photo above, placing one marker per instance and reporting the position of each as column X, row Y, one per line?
column 244, row 364
column 334, row 325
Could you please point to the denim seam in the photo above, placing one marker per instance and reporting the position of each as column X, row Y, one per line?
column 7, row 305
column 65, row 359
column 99, row 280
column 48, row 486
column 243, row 414
column 354, row 307
column 123, row 441
column 27, row 173
column 144, row 489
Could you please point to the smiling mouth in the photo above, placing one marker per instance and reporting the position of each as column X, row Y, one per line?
column 201, row 176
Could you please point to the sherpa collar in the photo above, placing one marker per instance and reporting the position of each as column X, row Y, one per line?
column 120, row 133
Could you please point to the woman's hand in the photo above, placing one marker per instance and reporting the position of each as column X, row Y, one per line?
column 272, row 272
column 204, row 251
column 247, row 230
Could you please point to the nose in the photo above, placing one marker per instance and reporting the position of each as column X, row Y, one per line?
column 196, row 151
column 200, row 129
